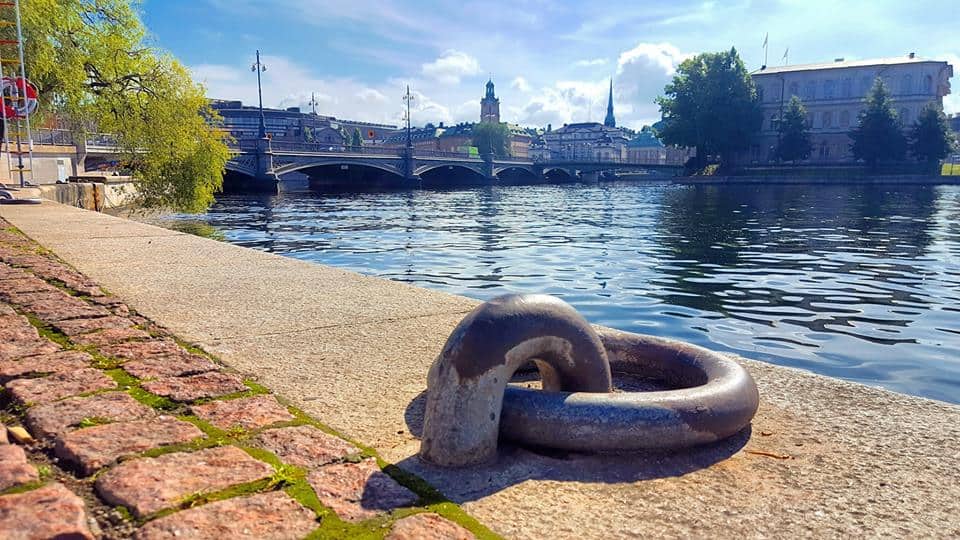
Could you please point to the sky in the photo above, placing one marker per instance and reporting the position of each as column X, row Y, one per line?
column 551, row 61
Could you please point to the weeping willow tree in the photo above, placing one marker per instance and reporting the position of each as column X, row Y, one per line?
column 95, row 68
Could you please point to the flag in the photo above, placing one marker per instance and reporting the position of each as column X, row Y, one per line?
column 765, row 38
column 785, row 53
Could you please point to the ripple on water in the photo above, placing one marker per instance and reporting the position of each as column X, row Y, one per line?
column 859, row 282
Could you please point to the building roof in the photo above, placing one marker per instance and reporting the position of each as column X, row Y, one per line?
column 841, row 63
column 645, row 139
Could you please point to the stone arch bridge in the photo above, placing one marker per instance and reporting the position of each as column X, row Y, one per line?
column 259, row 167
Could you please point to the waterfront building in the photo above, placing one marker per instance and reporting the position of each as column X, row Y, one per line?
column 590, row 141
column 457, row 138
column 647, row 148
column 833, row 94
column 242, row 123
column 490, row 105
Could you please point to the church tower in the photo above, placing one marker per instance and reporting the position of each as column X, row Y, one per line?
column 610, row 121
column 490, row 106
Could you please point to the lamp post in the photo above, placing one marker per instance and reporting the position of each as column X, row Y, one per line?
column 259, row 68
column 408, row 98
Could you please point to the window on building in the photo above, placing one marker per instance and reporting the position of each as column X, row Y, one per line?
column 829, row 89
column 865, row 84
column 906, row 85
column 794, row 89
column 810, row 90
column 844, row 118
column 760, row 93
column 809, row 120
column 773, row 122
column 827, row 120
column 928, row 84
column 846, row 87
column 905, row 116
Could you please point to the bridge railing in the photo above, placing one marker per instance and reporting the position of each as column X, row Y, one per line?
column 604, row 161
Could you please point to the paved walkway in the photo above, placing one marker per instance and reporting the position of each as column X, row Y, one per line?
column 825, row 457
column 130, row 433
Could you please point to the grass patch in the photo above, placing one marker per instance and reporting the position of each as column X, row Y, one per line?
column 93, row 421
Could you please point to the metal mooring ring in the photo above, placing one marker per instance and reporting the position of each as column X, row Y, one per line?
column 469, row 402
column 714, row 398
column 466, row 383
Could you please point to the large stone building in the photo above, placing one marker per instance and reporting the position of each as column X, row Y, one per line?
column 833, row 94
column 587, row 141
column 242, row 122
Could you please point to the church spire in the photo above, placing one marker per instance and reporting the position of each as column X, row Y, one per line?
column 610, row 121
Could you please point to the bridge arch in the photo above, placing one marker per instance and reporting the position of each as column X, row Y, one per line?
column 388, row 167
column 516, row 174
column 451, row 173
column 559, row 175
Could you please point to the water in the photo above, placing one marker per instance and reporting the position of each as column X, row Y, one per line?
column 858, row 282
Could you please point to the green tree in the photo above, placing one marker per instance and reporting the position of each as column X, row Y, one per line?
column 794, row 135
column 931, row 138
column 711, row 104
column 492, row 138
column 94, row 67
column 357, row 140
column 879, row 134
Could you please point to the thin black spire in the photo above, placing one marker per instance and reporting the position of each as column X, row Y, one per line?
column 610, row 121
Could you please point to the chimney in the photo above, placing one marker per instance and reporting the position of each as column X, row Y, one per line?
column 838, row 59
column 912, row 55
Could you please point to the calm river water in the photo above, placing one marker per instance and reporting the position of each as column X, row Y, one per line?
column 858, row 282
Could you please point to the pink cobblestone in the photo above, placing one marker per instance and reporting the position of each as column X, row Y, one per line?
column 248, row 413
column 136, row 350
column 95, row 447
column 58, row 386
column 148, row 485
column 109, row 336
column 75, row 327
column 358, row 491
column 304, row 446
column 205, row 385
column 171, row 366
column 48, row 512
column 57, row 306
column 427, row 526
column 14, row 469
column 264, row 516
column 51, row 419
column 58, row 362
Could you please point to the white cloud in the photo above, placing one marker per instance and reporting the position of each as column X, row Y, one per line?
column 642, row 72
column 451, row 66
column 590, row 63
column 521, row 84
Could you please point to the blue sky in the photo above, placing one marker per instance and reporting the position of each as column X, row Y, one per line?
column 550, row 60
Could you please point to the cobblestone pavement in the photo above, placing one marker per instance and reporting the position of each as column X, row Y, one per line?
column 112, row 428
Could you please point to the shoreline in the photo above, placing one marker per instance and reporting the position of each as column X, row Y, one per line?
column 353, row 350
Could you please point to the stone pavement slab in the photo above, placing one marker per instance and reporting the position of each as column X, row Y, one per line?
column 264, row 516
column 58, row 386
column 148, row 485
column 358, row 491
column 95, row 447
column 304, row 446
column 48, row 512
column 14, row 469
column 18, row 348
column 193, row 387
column 51, row 419
column 247, row 413
column 427, row 526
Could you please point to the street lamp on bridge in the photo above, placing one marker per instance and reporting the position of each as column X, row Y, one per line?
column 259, row 68
column 408, row 98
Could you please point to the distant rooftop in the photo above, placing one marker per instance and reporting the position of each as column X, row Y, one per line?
column 841, row 63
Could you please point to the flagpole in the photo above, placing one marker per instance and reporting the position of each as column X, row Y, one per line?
column 766, row 48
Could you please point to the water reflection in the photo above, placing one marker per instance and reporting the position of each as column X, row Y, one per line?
column 858, row 282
